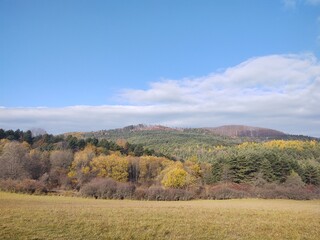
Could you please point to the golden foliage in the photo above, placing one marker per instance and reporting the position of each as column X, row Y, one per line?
column 175, row 178
column 292, row 144
column 113, row 166
column 81, row 164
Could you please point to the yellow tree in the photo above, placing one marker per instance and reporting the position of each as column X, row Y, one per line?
column 174, row 175
column 80, row 167
column 193, row 167
column 175, row 178
column 113, row 166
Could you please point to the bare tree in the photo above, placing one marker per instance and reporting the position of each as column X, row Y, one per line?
column 37, row 132
column 60, row 161
column 61, row 158
column 13, row 161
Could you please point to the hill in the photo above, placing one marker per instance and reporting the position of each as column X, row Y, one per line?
column 246, row 131
column 183, row 143
column 177, row 142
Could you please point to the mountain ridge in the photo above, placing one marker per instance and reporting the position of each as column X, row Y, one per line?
column 229, row 131
column 224, row 130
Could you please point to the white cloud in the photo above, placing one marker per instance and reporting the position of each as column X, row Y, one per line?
column 275, row 76
column 276, row 91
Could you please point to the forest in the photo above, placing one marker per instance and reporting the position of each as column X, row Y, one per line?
column 222, row 168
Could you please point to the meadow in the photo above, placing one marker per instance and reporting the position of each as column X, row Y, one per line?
column 56, row 217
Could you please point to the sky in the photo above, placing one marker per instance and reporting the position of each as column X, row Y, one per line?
column 80, row 65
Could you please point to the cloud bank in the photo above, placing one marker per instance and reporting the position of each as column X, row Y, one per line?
column 276, row 91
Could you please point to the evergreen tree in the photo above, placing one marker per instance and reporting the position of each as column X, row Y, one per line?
column 311, row 175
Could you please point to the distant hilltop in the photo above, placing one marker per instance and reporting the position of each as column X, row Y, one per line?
column 144, row 127
column 245, row 131
column 240, row 132
column 226, row 130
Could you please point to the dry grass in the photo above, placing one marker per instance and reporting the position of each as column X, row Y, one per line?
column 53, row 217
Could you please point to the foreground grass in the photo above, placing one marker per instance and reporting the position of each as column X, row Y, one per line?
column 53, row 217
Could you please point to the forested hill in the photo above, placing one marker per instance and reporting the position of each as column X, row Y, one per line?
column 184, row 143
column 177, row 142
column 103, row 168
column 247, row 131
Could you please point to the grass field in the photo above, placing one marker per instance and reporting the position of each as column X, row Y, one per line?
column 53, row 217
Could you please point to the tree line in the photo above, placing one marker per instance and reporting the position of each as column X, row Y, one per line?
column 117, row 169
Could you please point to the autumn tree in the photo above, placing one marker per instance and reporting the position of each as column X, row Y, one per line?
column 60, row 161
column 175, row 178
column 38, row 163
column 13, row 161
column 193, row 167
column 113, row 166
column 149, row 168
column 80, row 171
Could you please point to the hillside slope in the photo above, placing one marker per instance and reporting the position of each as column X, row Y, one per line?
column 179, row 143
column 246, row 131
column 183, row 143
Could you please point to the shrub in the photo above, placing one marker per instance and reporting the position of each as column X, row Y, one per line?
column 125, row 190
column 25, row 186
column 99, row 188
column 275, row 191
column 172, row 194
column 32, row 186
column 107, row 188
column 155, row 193
column 140, row 193
column 169, row 194
column 8, row 185
column 227, row 191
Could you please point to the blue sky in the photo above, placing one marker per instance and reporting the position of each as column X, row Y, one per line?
column 89, row 65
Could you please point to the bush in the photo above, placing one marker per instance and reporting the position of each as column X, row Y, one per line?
column 107, row 188
column 170, row 194
column 140, row 193
column 25, row 186
column 155, row 193
column 125, row 190
column 99, row 188
column 275, row 191
column 32, row 186
column 8, row 185
column 228, row 191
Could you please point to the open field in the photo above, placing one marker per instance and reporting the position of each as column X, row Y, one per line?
column 53, row 217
